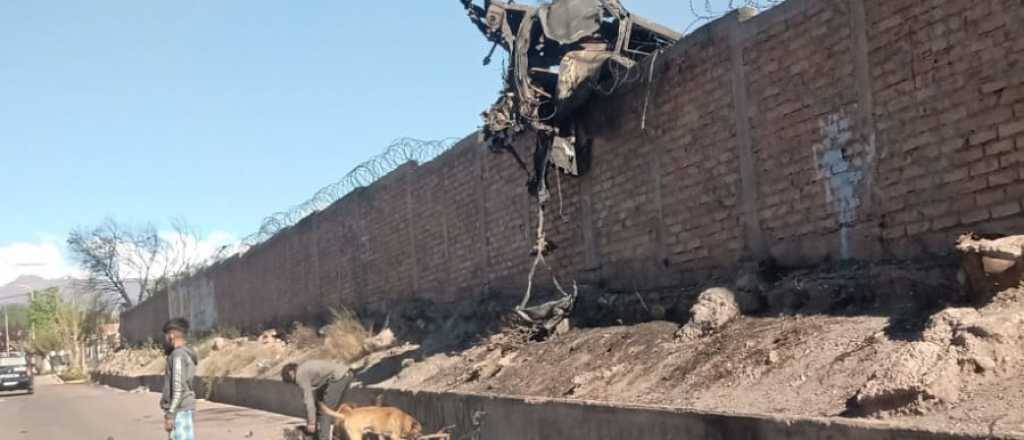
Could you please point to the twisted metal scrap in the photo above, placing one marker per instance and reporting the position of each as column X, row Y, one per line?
column 400, row 152
column 707, row 12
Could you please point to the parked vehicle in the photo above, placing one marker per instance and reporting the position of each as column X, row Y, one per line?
column 15, row 372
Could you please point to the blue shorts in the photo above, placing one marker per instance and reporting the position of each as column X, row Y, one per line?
column 183, row 429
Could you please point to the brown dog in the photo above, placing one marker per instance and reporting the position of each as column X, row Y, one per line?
column 381, row 420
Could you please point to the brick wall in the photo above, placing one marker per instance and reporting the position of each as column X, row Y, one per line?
column 820, row 130
column 145, row 321
column 947, row 86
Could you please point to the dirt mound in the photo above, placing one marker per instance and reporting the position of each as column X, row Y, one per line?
column 344, row 340
column 960, row 349
column 133, row 362
column 838, row 343
column 787, row 365
column 866, row 341
column 919, row 376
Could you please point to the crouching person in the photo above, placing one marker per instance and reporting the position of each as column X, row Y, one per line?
column 323, row 381
column 178, row 400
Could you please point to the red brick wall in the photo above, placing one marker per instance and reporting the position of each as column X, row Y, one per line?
column 948, row 83
column 816, row 131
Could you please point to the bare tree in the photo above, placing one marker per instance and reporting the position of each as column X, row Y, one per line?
column 118, row 257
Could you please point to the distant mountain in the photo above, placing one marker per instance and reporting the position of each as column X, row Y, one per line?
column 16, row 292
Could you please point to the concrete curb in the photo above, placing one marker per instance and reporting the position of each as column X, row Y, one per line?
column 508, row 418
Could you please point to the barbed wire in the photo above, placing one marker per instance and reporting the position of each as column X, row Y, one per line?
column 400, row 152
column 619, row 75
column 707, row 11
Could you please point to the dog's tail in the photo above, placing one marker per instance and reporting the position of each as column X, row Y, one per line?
column 342, row 412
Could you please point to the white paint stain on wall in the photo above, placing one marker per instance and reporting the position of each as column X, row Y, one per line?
column 841, row 174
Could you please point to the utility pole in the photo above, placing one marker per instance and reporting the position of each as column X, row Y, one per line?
column 31, row 296
column 31, row 324
column 7, row 332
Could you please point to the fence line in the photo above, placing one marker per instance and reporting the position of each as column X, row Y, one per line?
column 400, row 151
column 706, row 11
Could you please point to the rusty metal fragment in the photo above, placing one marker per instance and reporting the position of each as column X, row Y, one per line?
column 559, row 54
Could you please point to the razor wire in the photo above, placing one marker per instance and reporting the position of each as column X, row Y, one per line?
column 705, row 11
column 400, row 152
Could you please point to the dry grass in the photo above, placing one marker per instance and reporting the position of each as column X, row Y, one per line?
column 228, row 363
column 346, row 336
column 228, row 332
column 73, row 375
column 304, row 337
column 140, row 361
column 203, row 344
column 345, row 339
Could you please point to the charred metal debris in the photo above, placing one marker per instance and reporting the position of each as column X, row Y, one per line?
column 560, row 53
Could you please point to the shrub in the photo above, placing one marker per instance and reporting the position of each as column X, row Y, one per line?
column 346, row 335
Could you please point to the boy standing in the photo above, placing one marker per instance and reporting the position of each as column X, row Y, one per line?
column 178, row 400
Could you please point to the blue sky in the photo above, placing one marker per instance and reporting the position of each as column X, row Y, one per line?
column 221, row 112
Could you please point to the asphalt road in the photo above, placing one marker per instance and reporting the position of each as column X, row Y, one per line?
column 89, row 412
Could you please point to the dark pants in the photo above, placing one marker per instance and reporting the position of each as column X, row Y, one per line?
column 331, row 395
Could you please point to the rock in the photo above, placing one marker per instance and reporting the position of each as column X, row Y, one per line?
column 943, row 325
column 268, row 337
column 983, row 363
column 563, row 327
column 773, row 357
column 715, row 307
column 1003, row 328
column 219, row 344
column 490, row 370
column 920, row 375
column 470, row 376
column 381, row 341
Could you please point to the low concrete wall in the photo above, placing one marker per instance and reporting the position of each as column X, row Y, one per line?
column 506, row 418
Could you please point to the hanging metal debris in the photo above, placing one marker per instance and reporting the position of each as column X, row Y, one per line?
column 559, row 53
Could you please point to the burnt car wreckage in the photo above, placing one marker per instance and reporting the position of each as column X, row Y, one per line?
column 560, row 53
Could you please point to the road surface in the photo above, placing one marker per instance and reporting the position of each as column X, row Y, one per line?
column 89, row 412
